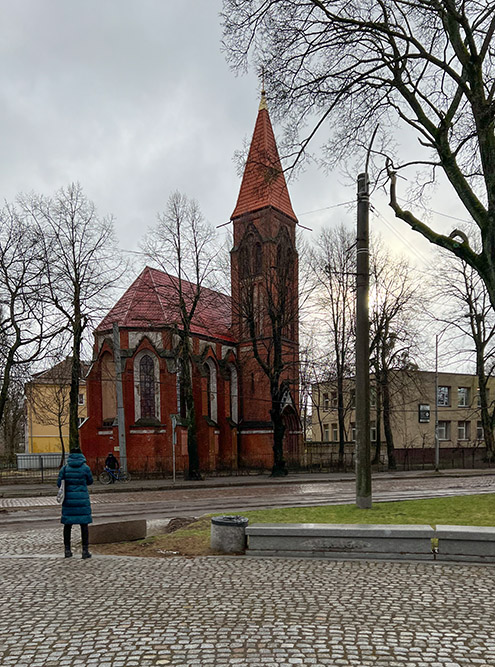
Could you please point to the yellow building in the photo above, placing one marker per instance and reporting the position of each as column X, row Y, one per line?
column 47, row 408
column 413, row 414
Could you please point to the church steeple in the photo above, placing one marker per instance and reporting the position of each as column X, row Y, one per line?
column 263, row 183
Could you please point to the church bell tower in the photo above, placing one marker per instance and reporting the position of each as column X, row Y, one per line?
column 264, row 275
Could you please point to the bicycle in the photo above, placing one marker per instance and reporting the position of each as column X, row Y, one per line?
column 117, row 475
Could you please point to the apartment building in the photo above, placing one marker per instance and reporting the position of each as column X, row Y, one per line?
column 414, row 411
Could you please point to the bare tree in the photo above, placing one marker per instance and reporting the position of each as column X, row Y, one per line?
column 469, row 313
column 13, row 419
column 83, row 266
column 395, row 305
column 48, row 397
column 426, row 65
column 182, row 243
column 333, row 266
column 26, row 325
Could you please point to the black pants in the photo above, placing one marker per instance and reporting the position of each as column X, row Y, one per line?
column 84, row 535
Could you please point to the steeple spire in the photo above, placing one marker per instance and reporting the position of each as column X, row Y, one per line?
column 263, row 183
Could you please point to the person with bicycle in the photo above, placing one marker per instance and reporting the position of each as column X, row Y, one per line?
column 112, row 464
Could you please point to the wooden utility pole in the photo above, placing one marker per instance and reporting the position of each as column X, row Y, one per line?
column 363, row 444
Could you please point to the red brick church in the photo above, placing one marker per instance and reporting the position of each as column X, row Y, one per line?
column 231, row 391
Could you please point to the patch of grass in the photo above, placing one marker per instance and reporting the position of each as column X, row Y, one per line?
column 476, row 510
column 194, row 539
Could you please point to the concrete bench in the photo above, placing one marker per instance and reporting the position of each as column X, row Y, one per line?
column 117, row 531
column 466, row 543
column 340, row 541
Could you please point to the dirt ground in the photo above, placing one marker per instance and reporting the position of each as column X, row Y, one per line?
column 182, row 537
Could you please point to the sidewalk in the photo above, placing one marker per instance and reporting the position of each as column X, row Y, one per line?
column 48, row 488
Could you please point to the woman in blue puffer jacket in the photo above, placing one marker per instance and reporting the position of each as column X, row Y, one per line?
column 76, row 507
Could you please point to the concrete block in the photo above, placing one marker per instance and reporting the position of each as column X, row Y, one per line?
column 341, row 541
column 117, row 531
column 466, row 543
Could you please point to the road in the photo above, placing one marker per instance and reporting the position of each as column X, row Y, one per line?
column 16, row 513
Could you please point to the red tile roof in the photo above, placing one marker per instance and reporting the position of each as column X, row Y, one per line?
column 263, row 183
column 152, row 301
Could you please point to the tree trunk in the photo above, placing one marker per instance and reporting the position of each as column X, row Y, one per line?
column 279, row 468
column 74, row 381
column 378, row 445
column 486, row 418
column 193, row 472
column 392, row 463
column 340, row 416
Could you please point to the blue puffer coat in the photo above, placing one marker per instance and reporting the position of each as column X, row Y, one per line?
column 76, row 507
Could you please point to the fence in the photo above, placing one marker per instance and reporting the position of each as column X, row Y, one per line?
column 315, row 457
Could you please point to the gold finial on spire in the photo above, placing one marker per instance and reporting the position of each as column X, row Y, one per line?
column 263, row 104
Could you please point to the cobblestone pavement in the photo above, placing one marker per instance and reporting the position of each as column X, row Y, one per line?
column 123, row 612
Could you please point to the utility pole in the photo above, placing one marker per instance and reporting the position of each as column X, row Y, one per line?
column 120, row 397
column 363, row 444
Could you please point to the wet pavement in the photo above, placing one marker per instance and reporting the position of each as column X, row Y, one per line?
column 120, row 612
column 123, row 612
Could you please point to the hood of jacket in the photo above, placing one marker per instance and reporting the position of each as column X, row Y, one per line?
column 76, row 460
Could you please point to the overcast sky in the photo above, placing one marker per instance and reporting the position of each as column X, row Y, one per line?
column 134, row 99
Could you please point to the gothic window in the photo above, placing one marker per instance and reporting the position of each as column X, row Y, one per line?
column 234, row 402
column 146, row 386
column 244, row 260
column 250, row 257
column 108, row 390
column 211, row 388
column 257, row 259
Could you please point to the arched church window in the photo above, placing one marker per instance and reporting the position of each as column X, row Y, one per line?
column 245, row 260
column 108, row 390
column 234, row 400
column 146, row 386
column 211, row 388
column 257, row 259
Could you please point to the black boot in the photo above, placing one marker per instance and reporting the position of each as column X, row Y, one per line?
column 67, row 532
column 85, row 553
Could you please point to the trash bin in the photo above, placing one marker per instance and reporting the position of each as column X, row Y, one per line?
column 228, row 534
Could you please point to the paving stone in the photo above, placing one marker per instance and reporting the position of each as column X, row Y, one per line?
column 130, row 612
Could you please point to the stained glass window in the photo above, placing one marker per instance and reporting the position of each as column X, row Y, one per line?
column 147, row 386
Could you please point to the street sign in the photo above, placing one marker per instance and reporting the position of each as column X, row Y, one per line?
column 423, row 413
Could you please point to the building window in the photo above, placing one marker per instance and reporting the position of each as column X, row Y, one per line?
column 211, row 388
column 234, row 393
column 334, row 399
column 373, row 431
column 463, row 430
column 373, row 397
column 479, row 431
column 463, row 397
column 443, row 430
column 80, row 420
column 326, row 402
column 443, row 396
column 146, row 386
column 108, row 390
column 326, row 433
column 353, row 431
column 80, row 399
column 353, row 399
column 335, row 433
